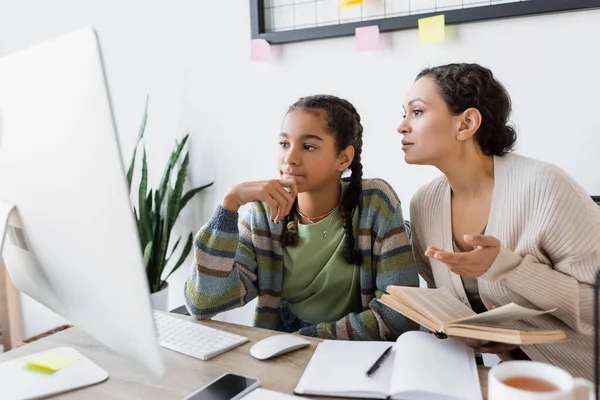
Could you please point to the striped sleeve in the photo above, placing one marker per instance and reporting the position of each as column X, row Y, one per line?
column 223, row 275
column 393, row 264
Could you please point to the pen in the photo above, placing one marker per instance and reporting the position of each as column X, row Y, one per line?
column 379, row 361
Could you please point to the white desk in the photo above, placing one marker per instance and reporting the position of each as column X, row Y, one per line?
column 128, row 381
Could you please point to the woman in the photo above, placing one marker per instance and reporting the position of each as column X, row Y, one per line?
column 497, row 227
column 317, row 250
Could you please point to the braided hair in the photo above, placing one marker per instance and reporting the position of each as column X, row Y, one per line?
column 343, row 122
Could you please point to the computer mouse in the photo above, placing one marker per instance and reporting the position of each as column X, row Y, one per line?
column 277, row 345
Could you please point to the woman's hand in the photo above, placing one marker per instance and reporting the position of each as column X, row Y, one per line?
column 482, row 346
column 279, row 194
column 469, row 264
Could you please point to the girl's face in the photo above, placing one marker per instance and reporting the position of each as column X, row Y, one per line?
column 307, row 151
column 430, row 131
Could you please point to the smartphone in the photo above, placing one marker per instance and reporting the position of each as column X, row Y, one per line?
column 226, row 387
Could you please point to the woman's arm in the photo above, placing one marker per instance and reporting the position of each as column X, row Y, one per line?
column 568, row 224
column 568, row 285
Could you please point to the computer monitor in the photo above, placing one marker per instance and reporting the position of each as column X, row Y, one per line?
column 71, row 242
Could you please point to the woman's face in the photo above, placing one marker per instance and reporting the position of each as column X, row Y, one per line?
column 428, row 128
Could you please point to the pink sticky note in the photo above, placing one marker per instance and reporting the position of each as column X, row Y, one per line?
column 260, row 50
column 367, row 38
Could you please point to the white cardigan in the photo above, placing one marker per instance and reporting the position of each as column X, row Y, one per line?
column 549, row 228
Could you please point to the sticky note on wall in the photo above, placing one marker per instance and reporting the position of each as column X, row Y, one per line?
column 350, row 3
column 367, row 38
column 260, row 50
column 432, row 29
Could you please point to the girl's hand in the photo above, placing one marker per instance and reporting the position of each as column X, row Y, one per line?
column 279, row 194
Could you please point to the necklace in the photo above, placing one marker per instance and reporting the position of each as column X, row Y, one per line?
column 323, row 231
column 312, row 220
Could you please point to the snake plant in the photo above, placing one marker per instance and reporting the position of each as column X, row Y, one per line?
column 157, row 209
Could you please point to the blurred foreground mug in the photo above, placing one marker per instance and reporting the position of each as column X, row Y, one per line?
column 530, row 380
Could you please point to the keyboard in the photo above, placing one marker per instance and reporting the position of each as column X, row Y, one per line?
column 193, row 339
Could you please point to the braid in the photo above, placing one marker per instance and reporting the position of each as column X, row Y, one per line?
column 344, row 123
column 289, row 235
column 352, row 198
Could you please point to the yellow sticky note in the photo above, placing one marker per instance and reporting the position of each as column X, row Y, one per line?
column 349, row 3
column 432, row 29
column 49, row 362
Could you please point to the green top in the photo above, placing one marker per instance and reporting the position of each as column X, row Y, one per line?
column 318, row 282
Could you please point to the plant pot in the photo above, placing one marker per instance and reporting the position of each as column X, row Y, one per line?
column 160, row 299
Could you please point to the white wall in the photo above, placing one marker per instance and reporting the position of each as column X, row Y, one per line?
column 191, row 56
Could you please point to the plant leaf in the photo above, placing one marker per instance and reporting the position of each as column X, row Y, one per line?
column 131, row 166
column 154, row 270
column 157, row 202
column 165, row 233
column 173, row 200
column 183, row 256
column 188, row 196
column 149, row 217
column 140, row 229
column 166, row 178
column 140, row 136
column 149, row 200
column 173, row 249
column 144, row 120
column 142, row 192
column 147, row 253
column 157, row 222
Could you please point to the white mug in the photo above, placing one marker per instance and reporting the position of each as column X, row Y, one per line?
column 569, row 388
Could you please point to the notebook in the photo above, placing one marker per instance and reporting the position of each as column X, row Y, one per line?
column 420, row 366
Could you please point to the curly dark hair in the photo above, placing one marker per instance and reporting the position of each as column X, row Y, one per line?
column 466, row 86
column 343, row 122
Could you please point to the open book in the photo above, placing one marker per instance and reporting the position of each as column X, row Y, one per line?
column 420, row 366
column 439, row 311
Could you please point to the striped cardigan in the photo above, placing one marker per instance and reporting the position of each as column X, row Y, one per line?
column 234, row 264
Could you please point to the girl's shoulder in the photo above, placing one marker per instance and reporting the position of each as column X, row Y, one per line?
column 379, row 191
column 380, row 207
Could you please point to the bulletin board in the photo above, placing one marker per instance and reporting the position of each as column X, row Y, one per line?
column 284, row 21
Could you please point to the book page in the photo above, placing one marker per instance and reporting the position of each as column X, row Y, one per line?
column 505, row 313
column 505, row 334
column 419, row 316
column 439, row 304
column 426, row 367
column 339, row 369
